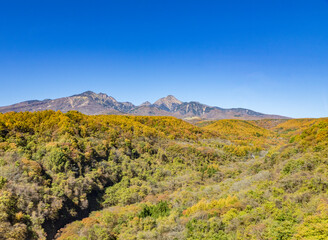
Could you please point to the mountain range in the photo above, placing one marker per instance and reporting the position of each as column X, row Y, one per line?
column 91, row 103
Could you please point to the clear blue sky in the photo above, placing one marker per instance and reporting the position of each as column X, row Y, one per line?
column 270, row 56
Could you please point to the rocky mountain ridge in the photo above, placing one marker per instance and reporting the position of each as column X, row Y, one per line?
column 91, row 103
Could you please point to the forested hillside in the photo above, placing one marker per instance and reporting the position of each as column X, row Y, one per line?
column 128, row 177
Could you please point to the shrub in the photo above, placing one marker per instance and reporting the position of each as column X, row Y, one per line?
column 161, row 209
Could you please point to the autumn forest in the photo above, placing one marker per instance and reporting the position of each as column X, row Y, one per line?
column 77, row 177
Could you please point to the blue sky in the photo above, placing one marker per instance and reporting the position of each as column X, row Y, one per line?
column 270, row 56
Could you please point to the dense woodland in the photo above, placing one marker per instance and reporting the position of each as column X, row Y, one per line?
column 128, row 177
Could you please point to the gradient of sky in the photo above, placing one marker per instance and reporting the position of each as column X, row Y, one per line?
column 269, row 56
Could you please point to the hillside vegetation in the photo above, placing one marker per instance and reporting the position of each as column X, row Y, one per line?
column 127, row 177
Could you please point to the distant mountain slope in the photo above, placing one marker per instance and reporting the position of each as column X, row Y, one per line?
column 94, row 104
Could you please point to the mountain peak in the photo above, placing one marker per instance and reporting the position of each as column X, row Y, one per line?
column 168, row 99
column 146, row 104
column 168, row 103
column 172, row 98
column 86, row 93
column 96, row 96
